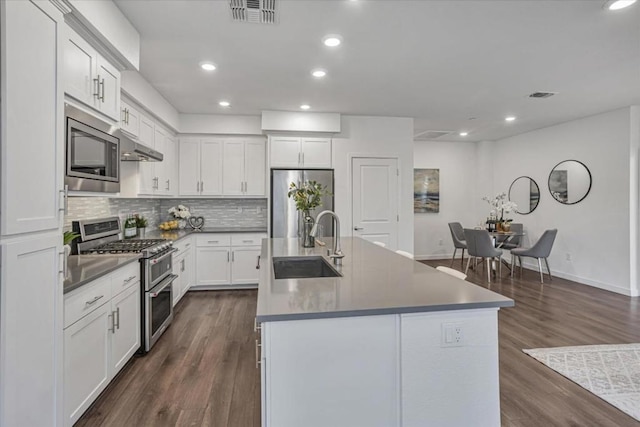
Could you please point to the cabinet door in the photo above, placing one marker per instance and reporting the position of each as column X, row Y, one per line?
column 125, row 337
column 32, row 119
column 254, row 168
column 176, row 285
column 159, row 167
column 86, row 361
column 31, row 347
column 211, row 167
column 79, row 69
column 213, row 266
column 316, row 152
column 146, row 170
column 109, row 81
column 169, row 187
column 189, row 167
column 243, row 265
column 233, row 168
column 285, row 152
column 129, row 119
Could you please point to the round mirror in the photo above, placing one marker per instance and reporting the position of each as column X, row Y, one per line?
column 569, row 182
column 525, row 193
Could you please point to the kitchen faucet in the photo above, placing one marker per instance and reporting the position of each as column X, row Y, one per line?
column 337, row 252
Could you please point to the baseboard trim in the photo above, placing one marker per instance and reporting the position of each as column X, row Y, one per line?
column 222, row 287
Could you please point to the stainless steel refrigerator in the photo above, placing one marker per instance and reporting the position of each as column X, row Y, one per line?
column 285, row 220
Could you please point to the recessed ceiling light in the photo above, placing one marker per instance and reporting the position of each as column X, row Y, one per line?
column 332, row 40
column 510, row 118
column 318, row 73
column 207, row 66
column 305, row 107
column 464, row 133
column 224, row 103
column 618, row 4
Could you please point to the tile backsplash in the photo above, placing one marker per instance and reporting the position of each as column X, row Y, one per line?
column 216, row 212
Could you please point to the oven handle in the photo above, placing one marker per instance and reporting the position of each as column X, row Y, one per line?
column 162, row 285
column 154, row 261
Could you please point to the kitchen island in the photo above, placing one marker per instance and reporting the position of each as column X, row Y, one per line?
column 389, row 342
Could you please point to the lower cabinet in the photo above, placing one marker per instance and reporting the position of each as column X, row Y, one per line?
column 102, row 333
column 183, row 265
column 227, row 259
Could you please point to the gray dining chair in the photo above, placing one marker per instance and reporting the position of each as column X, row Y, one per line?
column 457, row 234
column 515, row 241
column 480, row 245
column 540, row 250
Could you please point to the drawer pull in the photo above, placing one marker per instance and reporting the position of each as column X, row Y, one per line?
column 258, row 263
column 93, row 301
column 187, row 245
column 258, row 362
column 130, row 278
column 117, row 323
column 212, row 241
column 247, row 241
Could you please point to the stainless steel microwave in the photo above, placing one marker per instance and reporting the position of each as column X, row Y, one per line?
column 92, row 154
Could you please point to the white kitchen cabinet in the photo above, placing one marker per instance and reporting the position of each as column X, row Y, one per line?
column 227, row 259
column 146, row 170
column 101, row 334
column 31, row 172
column 254, row 168
column 125, row 339
column 297, row 152
column 89, row 78
column 129, row 119
column 32, row 120
column 183, row 268
column 200, row 167
column 86, row 362
column 157, row 178
column 243, row 168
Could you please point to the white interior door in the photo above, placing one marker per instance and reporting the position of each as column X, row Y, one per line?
column 374, row 196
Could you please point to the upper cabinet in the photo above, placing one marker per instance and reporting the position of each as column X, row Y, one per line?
column 157, row 178
column 129, row 119
column 217, row 167
column 89, row 78
column 296, row 152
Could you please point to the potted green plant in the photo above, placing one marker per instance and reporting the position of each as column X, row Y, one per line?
column 67, row 238
column 307, row 196
column 141, row 225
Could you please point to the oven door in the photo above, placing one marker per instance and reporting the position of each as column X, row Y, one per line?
column 157, row 268
column 158, row 310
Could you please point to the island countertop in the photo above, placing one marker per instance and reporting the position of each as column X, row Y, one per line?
column 375, row 281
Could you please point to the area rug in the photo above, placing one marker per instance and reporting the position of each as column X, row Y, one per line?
column 611, row 372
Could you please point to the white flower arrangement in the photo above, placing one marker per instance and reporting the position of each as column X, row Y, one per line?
column 500, row 204
column 180, row 212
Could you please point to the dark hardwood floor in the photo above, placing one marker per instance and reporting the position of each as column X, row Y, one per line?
column 202, row 372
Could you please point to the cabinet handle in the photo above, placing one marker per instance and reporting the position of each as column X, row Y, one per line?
column 128, row 116
column 128, row 279
column 187, row 245
column 233, row 256
column 227, row 256
column 197, row 186
column 65, row 200
column 256, row 325
column 63, row 263
column 182, row 268
column 247, row 241
column 97, row 82
column 258, row 264
column 212, row 241
column 168, row 184
column 303, row 158
column 117, row 325
column 93, row 301
column 201, row 186
column 299, row 162
column 112, row 329
column 258, row 362
column 102, row 86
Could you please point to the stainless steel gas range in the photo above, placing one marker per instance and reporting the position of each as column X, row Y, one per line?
column 102, row 237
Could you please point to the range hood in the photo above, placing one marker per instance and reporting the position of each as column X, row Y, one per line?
column 132, row 151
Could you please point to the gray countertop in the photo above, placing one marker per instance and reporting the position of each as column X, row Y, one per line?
column 375, row 281
column 82, row 269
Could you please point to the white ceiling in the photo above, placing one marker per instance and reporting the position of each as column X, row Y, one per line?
column 441, row 62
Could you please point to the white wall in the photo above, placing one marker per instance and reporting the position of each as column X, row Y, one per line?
column 375, row 136
column 594, row 232
column 220, row 124
column 457, row 162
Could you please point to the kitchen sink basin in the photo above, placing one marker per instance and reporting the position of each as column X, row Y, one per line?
column 302, row 268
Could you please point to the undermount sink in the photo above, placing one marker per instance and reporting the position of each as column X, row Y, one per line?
column 302, row 268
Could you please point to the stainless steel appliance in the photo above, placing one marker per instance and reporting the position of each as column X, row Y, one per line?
column 102, row 236
column 286, row 221
column 94, row 150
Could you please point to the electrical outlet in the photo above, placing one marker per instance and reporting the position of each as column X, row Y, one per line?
column 239, row 209
column 568, row 256
column 452, row 335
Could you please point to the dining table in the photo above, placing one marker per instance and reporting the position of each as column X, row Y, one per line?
column 500, row 238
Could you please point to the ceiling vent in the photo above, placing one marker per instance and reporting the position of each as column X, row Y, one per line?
column 254, row 11
column 542, row 94
column 428, row 135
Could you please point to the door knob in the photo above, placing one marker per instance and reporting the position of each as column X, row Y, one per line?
column 358, row 228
